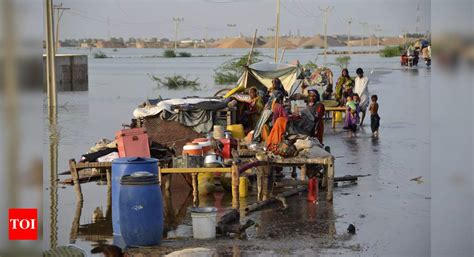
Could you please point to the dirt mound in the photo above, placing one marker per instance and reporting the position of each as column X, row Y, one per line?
column 282, row 42
column 233, row 43
column 318, row 41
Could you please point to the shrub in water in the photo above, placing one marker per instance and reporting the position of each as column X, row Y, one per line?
column 100, row 55
column 169, row 53
column 184, row 54
column 176, row 82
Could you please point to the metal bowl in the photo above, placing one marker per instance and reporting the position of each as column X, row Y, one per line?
column 213, row 160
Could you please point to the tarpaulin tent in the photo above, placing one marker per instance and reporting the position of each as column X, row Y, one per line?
column 261, row 75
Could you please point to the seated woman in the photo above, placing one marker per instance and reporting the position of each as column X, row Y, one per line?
column 313, row 102
column 278, row 108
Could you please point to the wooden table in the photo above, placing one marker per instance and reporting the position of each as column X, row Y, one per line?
column 334, row 110
column 318, row 156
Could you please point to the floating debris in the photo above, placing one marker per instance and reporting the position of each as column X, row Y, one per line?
column 418, row 179
column 351, row 229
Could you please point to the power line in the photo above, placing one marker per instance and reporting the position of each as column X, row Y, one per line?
column 326, row 12
column 177, row 21
column 60, row 11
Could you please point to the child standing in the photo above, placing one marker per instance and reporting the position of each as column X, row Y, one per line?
column 374, row 116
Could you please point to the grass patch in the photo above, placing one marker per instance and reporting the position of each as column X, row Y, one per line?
column 308, row 47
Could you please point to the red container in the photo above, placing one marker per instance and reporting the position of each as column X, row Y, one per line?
column 313, row 190
column 133, row 142
column 229, row 144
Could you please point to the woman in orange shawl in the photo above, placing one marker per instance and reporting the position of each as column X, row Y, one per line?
column 276, row 135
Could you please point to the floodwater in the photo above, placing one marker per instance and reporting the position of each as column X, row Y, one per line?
column 391, row 213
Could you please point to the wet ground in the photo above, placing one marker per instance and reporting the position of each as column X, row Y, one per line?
column 391, row 212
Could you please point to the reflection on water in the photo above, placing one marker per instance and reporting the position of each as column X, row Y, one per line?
column 53, row 164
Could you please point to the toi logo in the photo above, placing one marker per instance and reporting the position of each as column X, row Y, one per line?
column 23, row 224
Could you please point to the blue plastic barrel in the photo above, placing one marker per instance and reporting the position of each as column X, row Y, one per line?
column 141, row 209
column 120, row 168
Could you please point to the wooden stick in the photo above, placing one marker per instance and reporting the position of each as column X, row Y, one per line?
column 289, row 182
column 258, row 205
column 265, row 193
column 235, row 185
column 330, row 180
column 251, row 48
column 304, row 170
column 75, row 179
column 195, row 190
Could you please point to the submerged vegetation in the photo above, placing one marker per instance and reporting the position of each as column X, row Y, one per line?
column 343, row 61
column 170, row 53
column 184, row 54
column 100, row 55
column 176, row 82
column 391, row 51
column 230, row 71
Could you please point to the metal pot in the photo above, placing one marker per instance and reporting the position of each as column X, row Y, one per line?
column 213, row 160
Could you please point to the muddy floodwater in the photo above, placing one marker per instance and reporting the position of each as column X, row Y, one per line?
column 391, row 212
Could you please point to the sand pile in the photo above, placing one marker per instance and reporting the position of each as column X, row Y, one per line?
column 233, row 43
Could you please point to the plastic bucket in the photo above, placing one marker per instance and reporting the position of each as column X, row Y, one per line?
column 338, row 116
column 237, row 130
column 204, row 222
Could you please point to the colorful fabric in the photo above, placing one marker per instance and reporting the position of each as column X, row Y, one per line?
column 278, row 111
column 319, row 128
column 374, row 122
column 277, row 132
column 344, row 86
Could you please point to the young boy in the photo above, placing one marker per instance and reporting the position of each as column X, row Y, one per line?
column 374, row 116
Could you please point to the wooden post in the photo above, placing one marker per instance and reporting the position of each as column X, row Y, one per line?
column 304, row 170
column 235, row 185
column 330, row 179
column 259, row 182
column 333, row 119
column 75, row 180
column 265, row 172
column 195, row 190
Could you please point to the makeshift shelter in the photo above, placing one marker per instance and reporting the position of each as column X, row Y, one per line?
column 261, row 74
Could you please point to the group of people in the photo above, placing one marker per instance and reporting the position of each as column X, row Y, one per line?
column 411, row 56
column 351, row 93
column 354, row 95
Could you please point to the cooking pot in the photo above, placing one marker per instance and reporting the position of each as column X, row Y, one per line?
column 213, row 160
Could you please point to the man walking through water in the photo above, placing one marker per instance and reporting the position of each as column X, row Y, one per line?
column 361, row 88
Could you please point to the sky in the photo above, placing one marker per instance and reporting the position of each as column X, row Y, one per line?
column 154, row 18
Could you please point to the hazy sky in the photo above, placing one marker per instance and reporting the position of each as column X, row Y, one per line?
column 153, row 18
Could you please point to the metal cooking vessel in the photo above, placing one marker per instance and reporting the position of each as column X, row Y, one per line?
column 213, row 160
